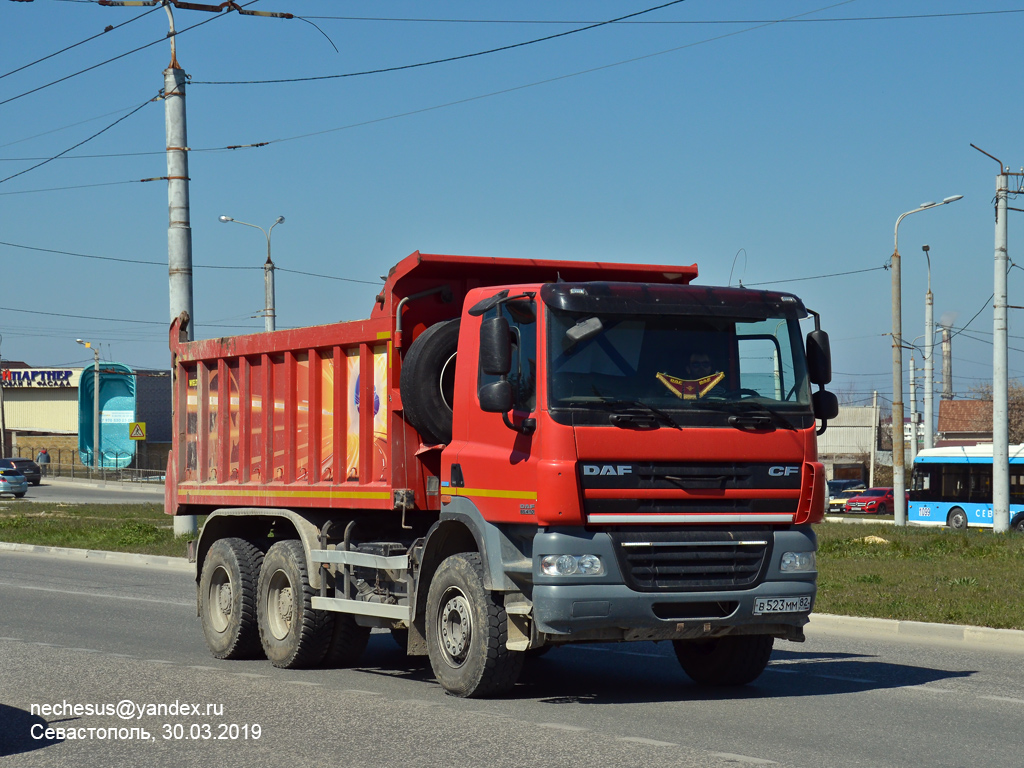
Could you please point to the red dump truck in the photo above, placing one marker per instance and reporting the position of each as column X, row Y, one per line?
column 509, row 454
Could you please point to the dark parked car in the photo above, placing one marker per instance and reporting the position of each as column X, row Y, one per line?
column 27, row 467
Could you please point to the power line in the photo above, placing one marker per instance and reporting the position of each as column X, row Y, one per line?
column 84, row 186
column 115, row 58
column 816, row 277
column 662, row 21
column 457, row 102
column 438, row 61
column 62, row 128
column 194, row 266
column 82, row 42
column 104, row 319
column 103, row 130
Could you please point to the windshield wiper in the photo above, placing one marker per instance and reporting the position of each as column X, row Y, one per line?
column 748, row 414
column 622, row 413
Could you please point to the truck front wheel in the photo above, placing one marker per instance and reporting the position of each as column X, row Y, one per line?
column 467, row 629
column 294, row 636
column 227, row 599
column 724, row 661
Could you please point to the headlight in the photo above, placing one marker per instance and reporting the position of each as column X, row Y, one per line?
column 571, row 565
column 798, row 561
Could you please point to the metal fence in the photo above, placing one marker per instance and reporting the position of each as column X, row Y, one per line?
column 78, row 472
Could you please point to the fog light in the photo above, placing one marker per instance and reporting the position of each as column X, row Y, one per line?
column 798, row 561
column 570, row 565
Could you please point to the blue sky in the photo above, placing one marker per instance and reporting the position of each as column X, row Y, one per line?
column 763, row 152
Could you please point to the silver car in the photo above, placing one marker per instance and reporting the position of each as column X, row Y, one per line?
column 12, row 481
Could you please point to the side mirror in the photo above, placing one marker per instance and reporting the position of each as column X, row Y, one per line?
column 819, row 358
column 825, row 404
column 496, row 397
column 495, row 347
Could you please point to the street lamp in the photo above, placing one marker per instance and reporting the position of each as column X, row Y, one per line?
column 268, row 271
column 95, row 403
column 899, row 482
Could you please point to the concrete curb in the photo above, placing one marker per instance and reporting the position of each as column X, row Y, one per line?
column 117, row 558
column 111, row 485
column 976, row 637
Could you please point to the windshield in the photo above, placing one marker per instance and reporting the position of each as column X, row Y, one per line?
column 875, row 492
column 676, row 363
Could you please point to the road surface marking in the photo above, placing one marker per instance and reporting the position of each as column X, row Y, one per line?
column 98, row 594
column 650, row 742
column 742, row 758
column 561, row 727
column 1003, row 698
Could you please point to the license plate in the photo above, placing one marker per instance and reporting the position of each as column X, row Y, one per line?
column 763, row 605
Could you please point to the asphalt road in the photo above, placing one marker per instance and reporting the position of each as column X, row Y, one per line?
column 83, row 492
column 95, row 633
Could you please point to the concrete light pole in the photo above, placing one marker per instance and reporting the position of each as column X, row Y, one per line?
column 269, row 314
column 95, row 403
column 1000, row 376
column 899, row 480
column 929, row 362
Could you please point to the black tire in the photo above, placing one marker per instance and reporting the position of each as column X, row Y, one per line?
column 36, row 482
column 227, row 599
column 293, row 635
column 724, row 661
column 1017, row 524
column 348, row 641
column 428, row 381
column 957, row 519
column 882, row 509
column 20, row 495
column 467, row 629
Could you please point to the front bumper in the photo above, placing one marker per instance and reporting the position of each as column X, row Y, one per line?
column 605, row 607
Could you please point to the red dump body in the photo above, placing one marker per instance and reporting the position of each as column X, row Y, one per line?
column 277, row 419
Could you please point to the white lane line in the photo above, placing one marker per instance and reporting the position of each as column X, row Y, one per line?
column 97, row 594
column 359, row 690
column 561, row 727
column 1009, row 699
column 742, row 758
column 15, row 639
column 246, row 674
column 924, row 689
column 158, row 661
column 649, row 742
column 84, row 650
column 208, row 669
column 303, row 682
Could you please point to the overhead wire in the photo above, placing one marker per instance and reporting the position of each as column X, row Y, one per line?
column 81, row 42
column 116, row 58
column 662, row 21
column 83, row 141
column 445, row 60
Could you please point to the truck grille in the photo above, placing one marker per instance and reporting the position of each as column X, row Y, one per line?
column 692, row 560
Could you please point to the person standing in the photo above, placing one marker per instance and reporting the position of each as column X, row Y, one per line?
column 43, row 460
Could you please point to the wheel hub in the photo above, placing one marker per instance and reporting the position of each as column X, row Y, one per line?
column 284, row 605
column 224, row 598
column 455, row 628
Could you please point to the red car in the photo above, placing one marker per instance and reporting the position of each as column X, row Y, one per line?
column 874, row 501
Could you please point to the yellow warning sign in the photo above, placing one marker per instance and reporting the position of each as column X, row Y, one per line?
column 137, row 430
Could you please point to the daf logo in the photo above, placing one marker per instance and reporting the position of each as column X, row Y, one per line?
column 783, row 471
column 607, row 469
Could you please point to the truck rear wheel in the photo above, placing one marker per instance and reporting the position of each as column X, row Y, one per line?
column 293, row 635
column 348, row 641
column 227, row 599
column 428, row 381
column 467, row 629
column 724, row 661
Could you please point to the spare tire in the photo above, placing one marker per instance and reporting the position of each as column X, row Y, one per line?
column 427, row 383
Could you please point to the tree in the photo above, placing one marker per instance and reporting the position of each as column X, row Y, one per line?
column 1015, row 406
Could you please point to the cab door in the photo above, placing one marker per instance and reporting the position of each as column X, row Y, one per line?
column 492, row 464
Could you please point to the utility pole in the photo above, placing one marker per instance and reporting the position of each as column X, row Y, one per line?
column 913, row 411
column 1000, row 383
column 179, row 229
column 874, row 438
column 929, row 362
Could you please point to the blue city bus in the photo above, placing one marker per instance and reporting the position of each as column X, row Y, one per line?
column 953, row 486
